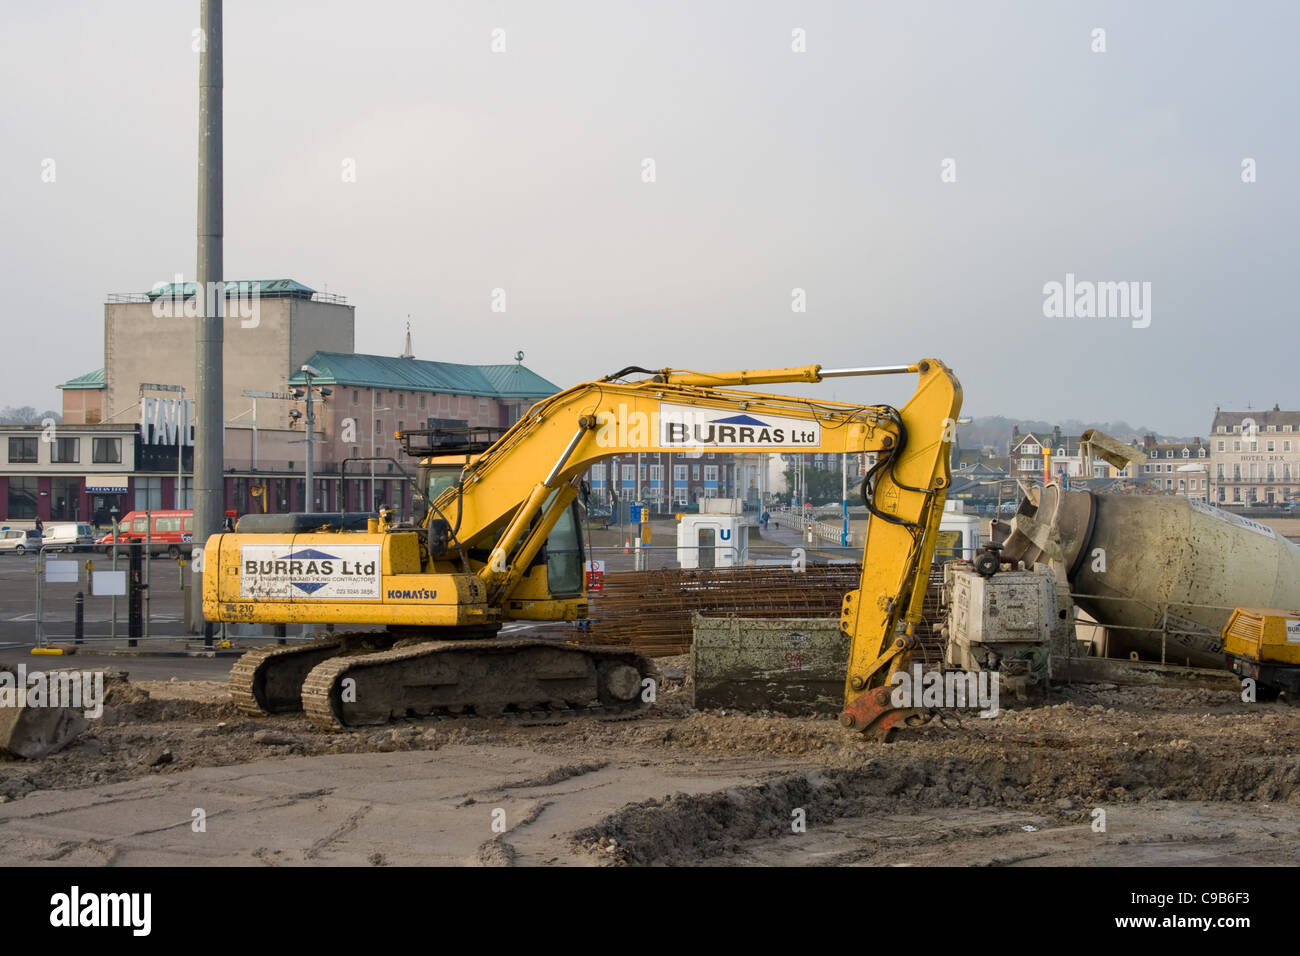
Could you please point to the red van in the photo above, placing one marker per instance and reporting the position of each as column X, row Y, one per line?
column 172, row 532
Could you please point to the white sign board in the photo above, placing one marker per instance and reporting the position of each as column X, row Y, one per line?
column 1293, row 632
column 62, row 572
column 280, row 572
column 108, row 583
column 689, row 426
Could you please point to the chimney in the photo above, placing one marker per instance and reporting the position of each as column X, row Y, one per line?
column 1056, row 436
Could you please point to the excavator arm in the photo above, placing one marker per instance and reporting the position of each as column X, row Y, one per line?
column 688, row 412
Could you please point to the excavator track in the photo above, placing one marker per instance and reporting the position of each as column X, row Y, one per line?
column 268, row 680
column 481, row 678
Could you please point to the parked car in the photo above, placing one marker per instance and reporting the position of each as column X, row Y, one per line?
column 69, row 537
column 19, row 540
column 172, row 532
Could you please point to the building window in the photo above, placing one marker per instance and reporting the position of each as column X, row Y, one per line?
column 1186, row 453
column 65, row 450
column 20, row 450
column 1236, row 445
column 1220, row 472
column 695, row 472
column 1169, row 484
column 1220, row 446
column 106, row 451
column 401, row 399
column 22, row 497
column 656, row 472
column 148, row 494
column 629, row 473
column 423, row 400
column 679, row 473
column 355, row 396
column 598, row 472
column 710, row 472
column 1269, row 445
column 379, row 426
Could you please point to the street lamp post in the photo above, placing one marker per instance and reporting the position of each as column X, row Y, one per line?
column 308, row 394
column 374, row 427
column 113, row 512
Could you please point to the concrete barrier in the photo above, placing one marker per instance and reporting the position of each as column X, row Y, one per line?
column 789, row 665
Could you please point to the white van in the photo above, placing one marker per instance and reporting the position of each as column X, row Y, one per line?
column 69, row 537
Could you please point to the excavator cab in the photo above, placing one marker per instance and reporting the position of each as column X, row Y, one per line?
column 434, row 476
column 563, row 553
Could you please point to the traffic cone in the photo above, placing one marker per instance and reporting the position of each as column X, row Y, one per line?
column 627, row 545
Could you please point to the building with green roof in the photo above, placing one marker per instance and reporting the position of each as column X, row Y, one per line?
column 272, row 328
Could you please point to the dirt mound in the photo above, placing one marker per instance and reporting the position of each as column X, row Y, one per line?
column 684, row 829
column 125, row 702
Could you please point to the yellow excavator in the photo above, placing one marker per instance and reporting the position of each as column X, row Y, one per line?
column 496, row 537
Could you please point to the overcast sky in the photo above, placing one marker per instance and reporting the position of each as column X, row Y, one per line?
column 774, row 170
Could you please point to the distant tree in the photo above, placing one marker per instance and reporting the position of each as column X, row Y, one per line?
column 824, row 487
column 26, row 415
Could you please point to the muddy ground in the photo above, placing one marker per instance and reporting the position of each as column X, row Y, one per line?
column 1096, row 774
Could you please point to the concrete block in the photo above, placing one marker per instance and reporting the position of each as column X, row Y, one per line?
column 789, row 665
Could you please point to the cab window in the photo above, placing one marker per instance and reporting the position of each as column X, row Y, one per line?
column 564, row 556
column 139, row 525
